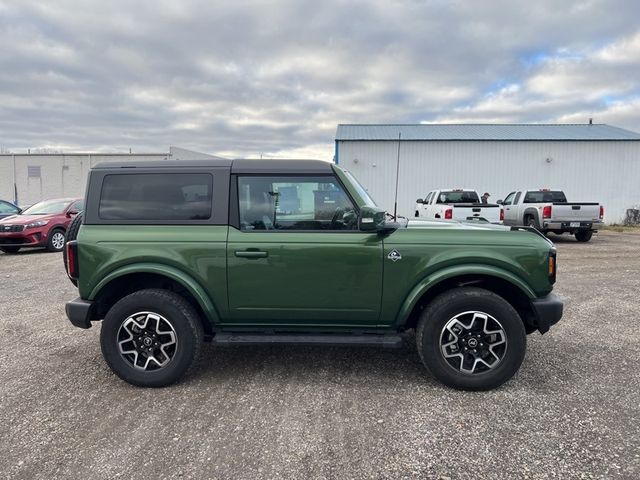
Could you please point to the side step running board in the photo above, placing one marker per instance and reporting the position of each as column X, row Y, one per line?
column 371, row 340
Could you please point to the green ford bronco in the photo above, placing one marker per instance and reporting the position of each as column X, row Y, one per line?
column 172, row 254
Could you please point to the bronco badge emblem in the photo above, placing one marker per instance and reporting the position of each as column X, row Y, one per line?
column 394, row 255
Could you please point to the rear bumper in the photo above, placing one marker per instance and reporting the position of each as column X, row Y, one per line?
column 566, row 226
column 547, row 311
column 79, row 312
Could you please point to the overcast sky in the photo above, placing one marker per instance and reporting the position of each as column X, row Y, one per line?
column 241, row 78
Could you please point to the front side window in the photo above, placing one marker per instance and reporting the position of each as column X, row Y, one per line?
column 509, row 199
column 156, row 196
column 294, row 203
column 77, row 206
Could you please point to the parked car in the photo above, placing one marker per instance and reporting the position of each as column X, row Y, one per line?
column 8, row 209
column 548, row 211
column 41, row 225
column 172, row 253
column 457, row 204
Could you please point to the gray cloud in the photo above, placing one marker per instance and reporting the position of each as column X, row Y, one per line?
column 275, row 78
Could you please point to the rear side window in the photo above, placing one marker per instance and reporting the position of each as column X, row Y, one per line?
column 545, row 196
column 156, row 196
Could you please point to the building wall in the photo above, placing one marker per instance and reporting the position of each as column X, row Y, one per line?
column 60, row 175
column 604, row 171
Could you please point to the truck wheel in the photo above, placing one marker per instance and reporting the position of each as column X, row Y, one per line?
column 584, row 235
column 10, row 249
column 471, row 339
column 530, row 221
column 56, row 240
column 151, row 338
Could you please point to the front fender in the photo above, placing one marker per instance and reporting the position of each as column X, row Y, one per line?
column 173, row 273
column 456, row 271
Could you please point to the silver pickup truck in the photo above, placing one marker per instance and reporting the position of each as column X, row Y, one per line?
column 548, row 211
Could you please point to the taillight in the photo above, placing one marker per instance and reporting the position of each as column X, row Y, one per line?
column 601, row 212
column 546, row 212
column 448, row 214
column 501, row 214
column 72, row 260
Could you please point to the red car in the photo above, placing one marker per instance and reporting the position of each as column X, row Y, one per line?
column 41, row 225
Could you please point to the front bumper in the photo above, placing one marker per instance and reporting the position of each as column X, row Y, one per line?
column 547, row 311
column 566, row 226
column 25, row 238
column 79, row 312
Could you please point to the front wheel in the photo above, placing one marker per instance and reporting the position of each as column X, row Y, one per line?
column 584, row 235
column 56, row 241
column 471, row 339
column 151, row 338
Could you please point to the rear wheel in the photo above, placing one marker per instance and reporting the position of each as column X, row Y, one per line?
column 584, row 235
column 471, row 339
column 10, row 249
column 530, row 221
column 56, row 241
column 151, row 338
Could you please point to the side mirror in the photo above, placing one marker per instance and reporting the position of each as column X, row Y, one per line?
column 419, row 200
column 371, row 219
column 19, row 211
column 71, row 213
column 499, row 202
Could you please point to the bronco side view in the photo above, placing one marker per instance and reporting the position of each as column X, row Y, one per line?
column 170, row 254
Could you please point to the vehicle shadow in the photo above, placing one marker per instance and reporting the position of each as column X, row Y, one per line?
column 27, row 251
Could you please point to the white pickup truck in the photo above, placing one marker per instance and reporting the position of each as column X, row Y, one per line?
column 457, row 204
column 548, row 211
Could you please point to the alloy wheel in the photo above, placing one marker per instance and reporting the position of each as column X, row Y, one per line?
column 473, row 342
column 147, row 341
column 57, row 240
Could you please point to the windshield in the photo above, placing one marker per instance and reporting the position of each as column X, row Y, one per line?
column 49, row 207
column 458, row 197
column 360, row 189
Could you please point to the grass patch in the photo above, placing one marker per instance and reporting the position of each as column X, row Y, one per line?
column 621, row 228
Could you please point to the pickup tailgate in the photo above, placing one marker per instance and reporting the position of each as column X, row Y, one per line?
column 476, row 211
column 575, row 212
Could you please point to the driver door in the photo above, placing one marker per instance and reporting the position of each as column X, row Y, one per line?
column 296, row 256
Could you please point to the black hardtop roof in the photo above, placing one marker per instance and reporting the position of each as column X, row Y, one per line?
column 236, row 166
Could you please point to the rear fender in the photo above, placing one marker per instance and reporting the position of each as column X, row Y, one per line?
column 188, row 282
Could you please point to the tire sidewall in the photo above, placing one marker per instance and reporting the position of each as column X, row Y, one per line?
column 50, row 246
column 185, row 349
column 473, row 300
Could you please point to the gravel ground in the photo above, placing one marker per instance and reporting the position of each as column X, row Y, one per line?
column 298, row 412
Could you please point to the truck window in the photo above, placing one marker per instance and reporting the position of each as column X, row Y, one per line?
column 156, row 196
column 517, row 199
column 458, row 197
column 428, row 199
column 545, row 197
column 294, row 203
column 509, row 199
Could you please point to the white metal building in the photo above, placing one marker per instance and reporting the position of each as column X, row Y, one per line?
column 27, row 178
column 590, row 162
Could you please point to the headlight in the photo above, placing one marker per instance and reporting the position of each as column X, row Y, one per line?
column 39, row 223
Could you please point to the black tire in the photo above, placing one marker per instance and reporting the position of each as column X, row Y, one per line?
column 10, row 249
column 447, row 306
column 530, row 221
column 181, row 317
column 72, row 234
column 56, row 240
column 584, row 235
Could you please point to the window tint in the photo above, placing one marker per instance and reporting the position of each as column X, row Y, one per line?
column 7, row 208
column 156, row 196
column 294, row 203
column 458, row 197
column 545, row 196
column 517, row 199
column 509, row 199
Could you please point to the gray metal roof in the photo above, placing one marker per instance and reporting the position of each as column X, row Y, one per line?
column 599, row 131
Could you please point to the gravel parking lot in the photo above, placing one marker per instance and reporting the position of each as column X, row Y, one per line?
column 297, row 412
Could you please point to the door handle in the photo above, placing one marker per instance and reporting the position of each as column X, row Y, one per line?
column 251, row 254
